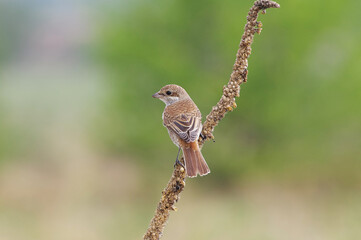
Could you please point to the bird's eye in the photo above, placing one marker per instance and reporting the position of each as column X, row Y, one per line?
column 168, row 92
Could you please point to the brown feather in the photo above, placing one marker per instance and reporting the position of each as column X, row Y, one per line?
column 183, row 120
column 194, row 161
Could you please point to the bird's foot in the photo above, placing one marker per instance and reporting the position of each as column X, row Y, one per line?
column 179, row 163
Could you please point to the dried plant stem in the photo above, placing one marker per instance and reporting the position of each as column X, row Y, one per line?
column 227, row 103
column 170, row 196
column 239, row 74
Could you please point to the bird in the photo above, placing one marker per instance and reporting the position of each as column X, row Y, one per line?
column 182, row 118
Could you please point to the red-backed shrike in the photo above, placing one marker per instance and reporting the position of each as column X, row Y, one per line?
column 182, row 118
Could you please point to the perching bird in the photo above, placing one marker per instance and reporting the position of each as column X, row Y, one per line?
column 182, row 118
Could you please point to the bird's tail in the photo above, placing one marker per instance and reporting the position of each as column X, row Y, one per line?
column 194, row 161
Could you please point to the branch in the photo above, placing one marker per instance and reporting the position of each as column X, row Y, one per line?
column 227, row 103
column 239, row 75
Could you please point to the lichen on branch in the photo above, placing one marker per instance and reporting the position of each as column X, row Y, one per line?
column 170, row 195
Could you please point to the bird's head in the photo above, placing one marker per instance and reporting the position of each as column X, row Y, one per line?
column 171, row 93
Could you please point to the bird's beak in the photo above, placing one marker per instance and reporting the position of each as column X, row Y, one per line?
column 156, row 95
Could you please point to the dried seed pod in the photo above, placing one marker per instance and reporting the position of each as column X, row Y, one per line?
column 229, row 109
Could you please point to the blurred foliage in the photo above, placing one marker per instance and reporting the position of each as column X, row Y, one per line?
column 14, row 18
column 294, row 140
column 300, row 106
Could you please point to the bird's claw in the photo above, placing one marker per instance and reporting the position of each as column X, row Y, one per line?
column 179, row 163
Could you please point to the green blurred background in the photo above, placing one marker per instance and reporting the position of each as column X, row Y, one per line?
column 84, row 155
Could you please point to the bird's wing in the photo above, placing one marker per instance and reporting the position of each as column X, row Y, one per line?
column 186, row 127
